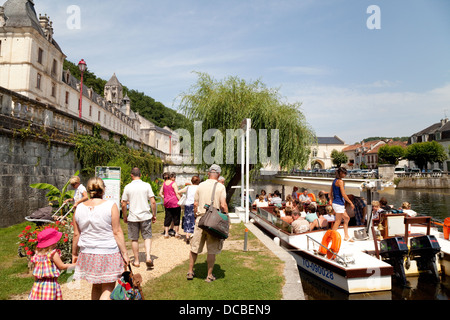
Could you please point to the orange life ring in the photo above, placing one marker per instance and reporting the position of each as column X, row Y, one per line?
column 312, row 196
column 335, row 238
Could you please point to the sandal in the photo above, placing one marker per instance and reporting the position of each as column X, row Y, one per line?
column 210, row 278
column 149, row 264
column 190, row 276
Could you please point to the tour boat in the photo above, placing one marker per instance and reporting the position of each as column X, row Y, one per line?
column 409, row 246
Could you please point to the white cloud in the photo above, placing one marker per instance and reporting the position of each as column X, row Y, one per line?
column 354, row 115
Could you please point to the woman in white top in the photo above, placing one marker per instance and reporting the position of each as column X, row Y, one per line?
column 260, row 202
column 80, row 192
column 99, row 248
column 189, row 216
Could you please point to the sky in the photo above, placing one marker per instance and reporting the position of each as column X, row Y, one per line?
column 358, row 72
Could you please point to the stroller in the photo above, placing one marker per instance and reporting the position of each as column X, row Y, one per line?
column 46, row 215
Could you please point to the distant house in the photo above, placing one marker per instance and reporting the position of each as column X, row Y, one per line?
column 439, row 132
column 321, row 153
column 365, row 154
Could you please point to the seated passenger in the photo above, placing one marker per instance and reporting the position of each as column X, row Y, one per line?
column 260, row 202
column 322, row 198
column 299, row 224
column 276, row 199
column 376, row 210
column 289, row 201
column 406, row 207
column 313, row 219
column 288, row 216
column 276, row 212
column 304, row 199
column 264, row 194
column 330, row 215
column 384, row 204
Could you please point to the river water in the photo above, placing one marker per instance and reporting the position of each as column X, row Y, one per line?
column 429, row 202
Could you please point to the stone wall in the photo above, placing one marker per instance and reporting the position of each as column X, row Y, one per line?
column 27, row 161
column 424, row 183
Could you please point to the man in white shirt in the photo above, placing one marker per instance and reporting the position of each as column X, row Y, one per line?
column 137, row 194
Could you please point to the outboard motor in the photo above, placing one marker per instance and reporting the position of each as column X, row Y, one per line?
column 423, row 250
column 394, row 251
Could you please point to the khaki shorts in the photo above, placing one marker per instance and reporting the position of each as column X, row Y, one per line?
column 144, row 227
column 200, row 237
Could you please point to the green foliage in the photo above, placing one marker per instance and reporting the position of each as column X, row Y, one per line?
column 388, row 154
column 338, row 158
column 89, row 78
column 223, row 105
column 54, row 194
column 146, row 106
column 93, row 151
column 156, row 111
column 426, row 152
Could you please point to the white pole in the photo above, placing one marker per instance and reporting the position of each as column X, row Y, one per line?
column 247, row 176
column 243, row 170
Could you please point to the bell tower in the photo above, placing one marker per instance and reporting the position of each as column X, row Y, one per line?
column 114, row 91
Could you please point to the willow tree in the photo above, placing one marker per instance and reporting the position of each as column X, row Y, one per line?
column 223, row 105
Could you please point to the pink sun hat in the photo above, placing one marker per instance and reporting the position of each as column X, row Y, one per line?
column 48, row 237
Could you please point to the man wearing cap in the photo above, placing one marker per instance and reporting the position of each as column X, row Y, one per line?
column 200, row 237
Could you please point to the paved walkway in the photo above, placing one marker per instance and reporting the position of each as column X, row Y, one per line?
column 293, row 289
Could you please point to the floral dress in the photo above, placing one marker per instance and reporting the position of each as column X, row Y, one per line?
column 46, row 273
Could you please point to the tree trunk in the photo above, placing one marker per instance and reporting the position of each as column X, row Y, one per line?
column 235, row 180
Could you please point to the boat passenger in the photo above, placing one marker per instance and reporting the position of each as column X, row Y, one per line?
column 322, row 198
column 304, row 199
column 264, row 194
column 330, row 214
column 384, row 204
column 314, row 220
column 288, row 216
column 276, row 199
column 406, row 207
column 294, row 193
column 260, row 202
column 300, row 225
column 339, row 198
column 289, row 201
column 276, row 212
column 376, row 210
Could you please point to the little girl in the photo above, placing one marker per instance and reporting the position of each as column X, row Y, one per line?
column 47, row 265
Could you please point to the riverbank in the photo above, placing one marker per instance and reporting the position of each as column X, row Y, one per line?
column 423, row 182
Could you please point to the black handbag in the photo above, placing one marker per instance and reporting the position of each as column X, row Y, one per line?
column 215, row 222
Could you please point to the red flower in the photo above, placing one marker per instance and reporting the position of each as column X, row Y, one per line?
column 65, row 239
column 28, row 228
column 29, row 252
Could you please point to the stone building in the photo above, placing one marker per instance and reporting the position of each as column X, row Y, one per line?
column 31, row 64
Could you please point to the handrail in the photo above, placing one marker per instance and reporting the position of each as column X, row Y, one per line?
column 342, row 260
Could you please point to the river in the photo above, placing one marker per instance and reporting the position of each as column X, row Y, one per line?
column 429, row 202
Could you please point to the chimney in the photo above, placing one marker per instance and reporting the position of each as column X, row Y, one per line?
column 443, row 122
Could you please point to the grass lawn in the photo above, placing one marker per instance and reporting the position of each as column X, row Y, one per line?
column 253, row 275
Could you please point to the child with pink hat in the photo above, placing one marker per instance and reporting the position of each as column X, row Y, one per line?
column 47, row 265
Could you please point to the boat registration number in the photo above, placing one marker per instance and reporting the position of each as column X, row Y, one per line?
column 318, row 269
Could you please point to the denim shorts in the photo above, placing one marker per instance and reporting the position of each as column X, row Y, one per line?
column 145, row 227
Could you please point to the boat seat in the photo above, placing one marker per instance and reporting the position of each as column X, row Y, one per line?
column 417, row 220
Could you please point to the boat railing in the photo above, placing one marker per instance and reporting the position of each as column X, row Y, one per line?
column 283, row 225
column 339, row 259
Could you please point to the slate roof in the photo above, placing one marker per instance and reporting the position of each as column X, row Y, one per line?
column 330, row 140
column 21, row 13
